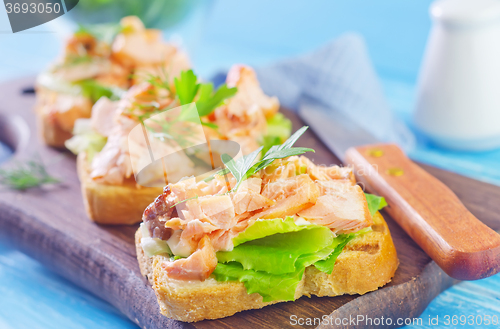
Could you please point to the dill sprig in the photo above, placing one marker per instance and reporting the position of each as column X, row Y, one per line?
column 28, row 175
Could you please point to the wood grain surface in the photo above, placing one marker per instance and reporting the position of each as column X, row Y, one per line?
column 50, row 225
column 428, row 211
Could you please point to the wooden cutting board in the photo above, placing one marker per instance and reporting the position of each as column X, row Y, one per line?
column 51, row 226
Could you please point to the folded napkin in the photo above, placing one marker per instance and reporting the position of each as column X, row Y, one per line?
column 339, row 76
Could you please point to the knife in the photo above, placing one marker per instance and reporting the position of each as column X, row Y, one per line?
column 429, row 212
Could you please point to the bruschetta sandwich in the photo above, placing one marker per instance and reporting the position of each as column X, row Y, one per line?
column 265, row 229
column 101, row 60
column 237, row 111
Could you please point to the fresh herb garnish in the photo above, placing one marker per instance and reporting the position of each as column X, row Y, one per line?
column 244, row 167
column 284, row 150
column 94, row 90
column 158, row 82
column 191, row 198
column 103, row 32
column 25, row 176
column 209, row 125
column 268, row 142
column 188, row 88
column 208, row 101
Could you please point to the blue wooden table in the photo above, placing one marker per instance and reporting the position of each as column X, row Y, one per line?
column 253, row 32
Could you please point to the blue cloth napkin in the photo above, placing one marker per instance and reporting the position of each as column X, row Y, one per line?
column 341, row 77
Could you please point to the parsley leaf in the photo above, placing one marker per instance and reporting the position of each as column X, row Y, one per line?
column 186, row 87
column 209, row 101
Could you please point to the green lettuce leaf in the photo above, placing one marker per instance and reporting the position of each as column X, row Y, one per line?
column 278, row 125
column 269, row 286
column 92, row 143
column 279, row 129
column 94, row 90
column 326, row 265
column 270, row 256
column 268, row 142
column 88, row 88
column 278, row 253
column 266, row 227
column 375, row 203
column 85, row 139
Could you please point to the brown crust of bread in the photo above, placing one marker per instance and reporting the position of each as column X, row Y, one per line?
column 52, row 134
column 367, row 263
column 50, row 130
column 113, row 204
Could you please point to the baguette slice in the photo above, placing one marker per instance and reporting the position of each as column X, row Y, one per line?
column 113, row 204
column 366, row 263
column 52, row 134
column 55, row 129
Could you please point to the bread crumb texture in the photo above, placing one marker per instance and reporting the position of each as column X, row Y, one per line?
column 113, row 204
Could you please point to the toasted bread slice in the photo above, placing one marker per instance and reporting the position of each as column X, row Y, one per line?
column 52, row 134
column 113, row 204
column 57, row 113
column 368, row 262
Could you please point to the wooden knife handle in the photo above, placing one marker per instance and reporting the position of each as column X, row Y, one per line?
column 428, row 211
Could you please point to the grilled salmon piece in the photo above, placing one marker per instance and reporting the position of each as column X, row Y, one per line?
column 198, row 266
column 303, row 195
column 342, row 207
column 217, row 210
column 248, row 197
column 250, row 94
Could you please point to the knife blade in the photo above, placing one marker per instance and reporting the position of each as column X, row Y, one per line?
column 424, row 207
column 335, row 129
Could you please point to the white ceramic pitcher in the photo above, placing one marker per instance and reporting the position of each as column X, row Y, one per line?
column 458, row 99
